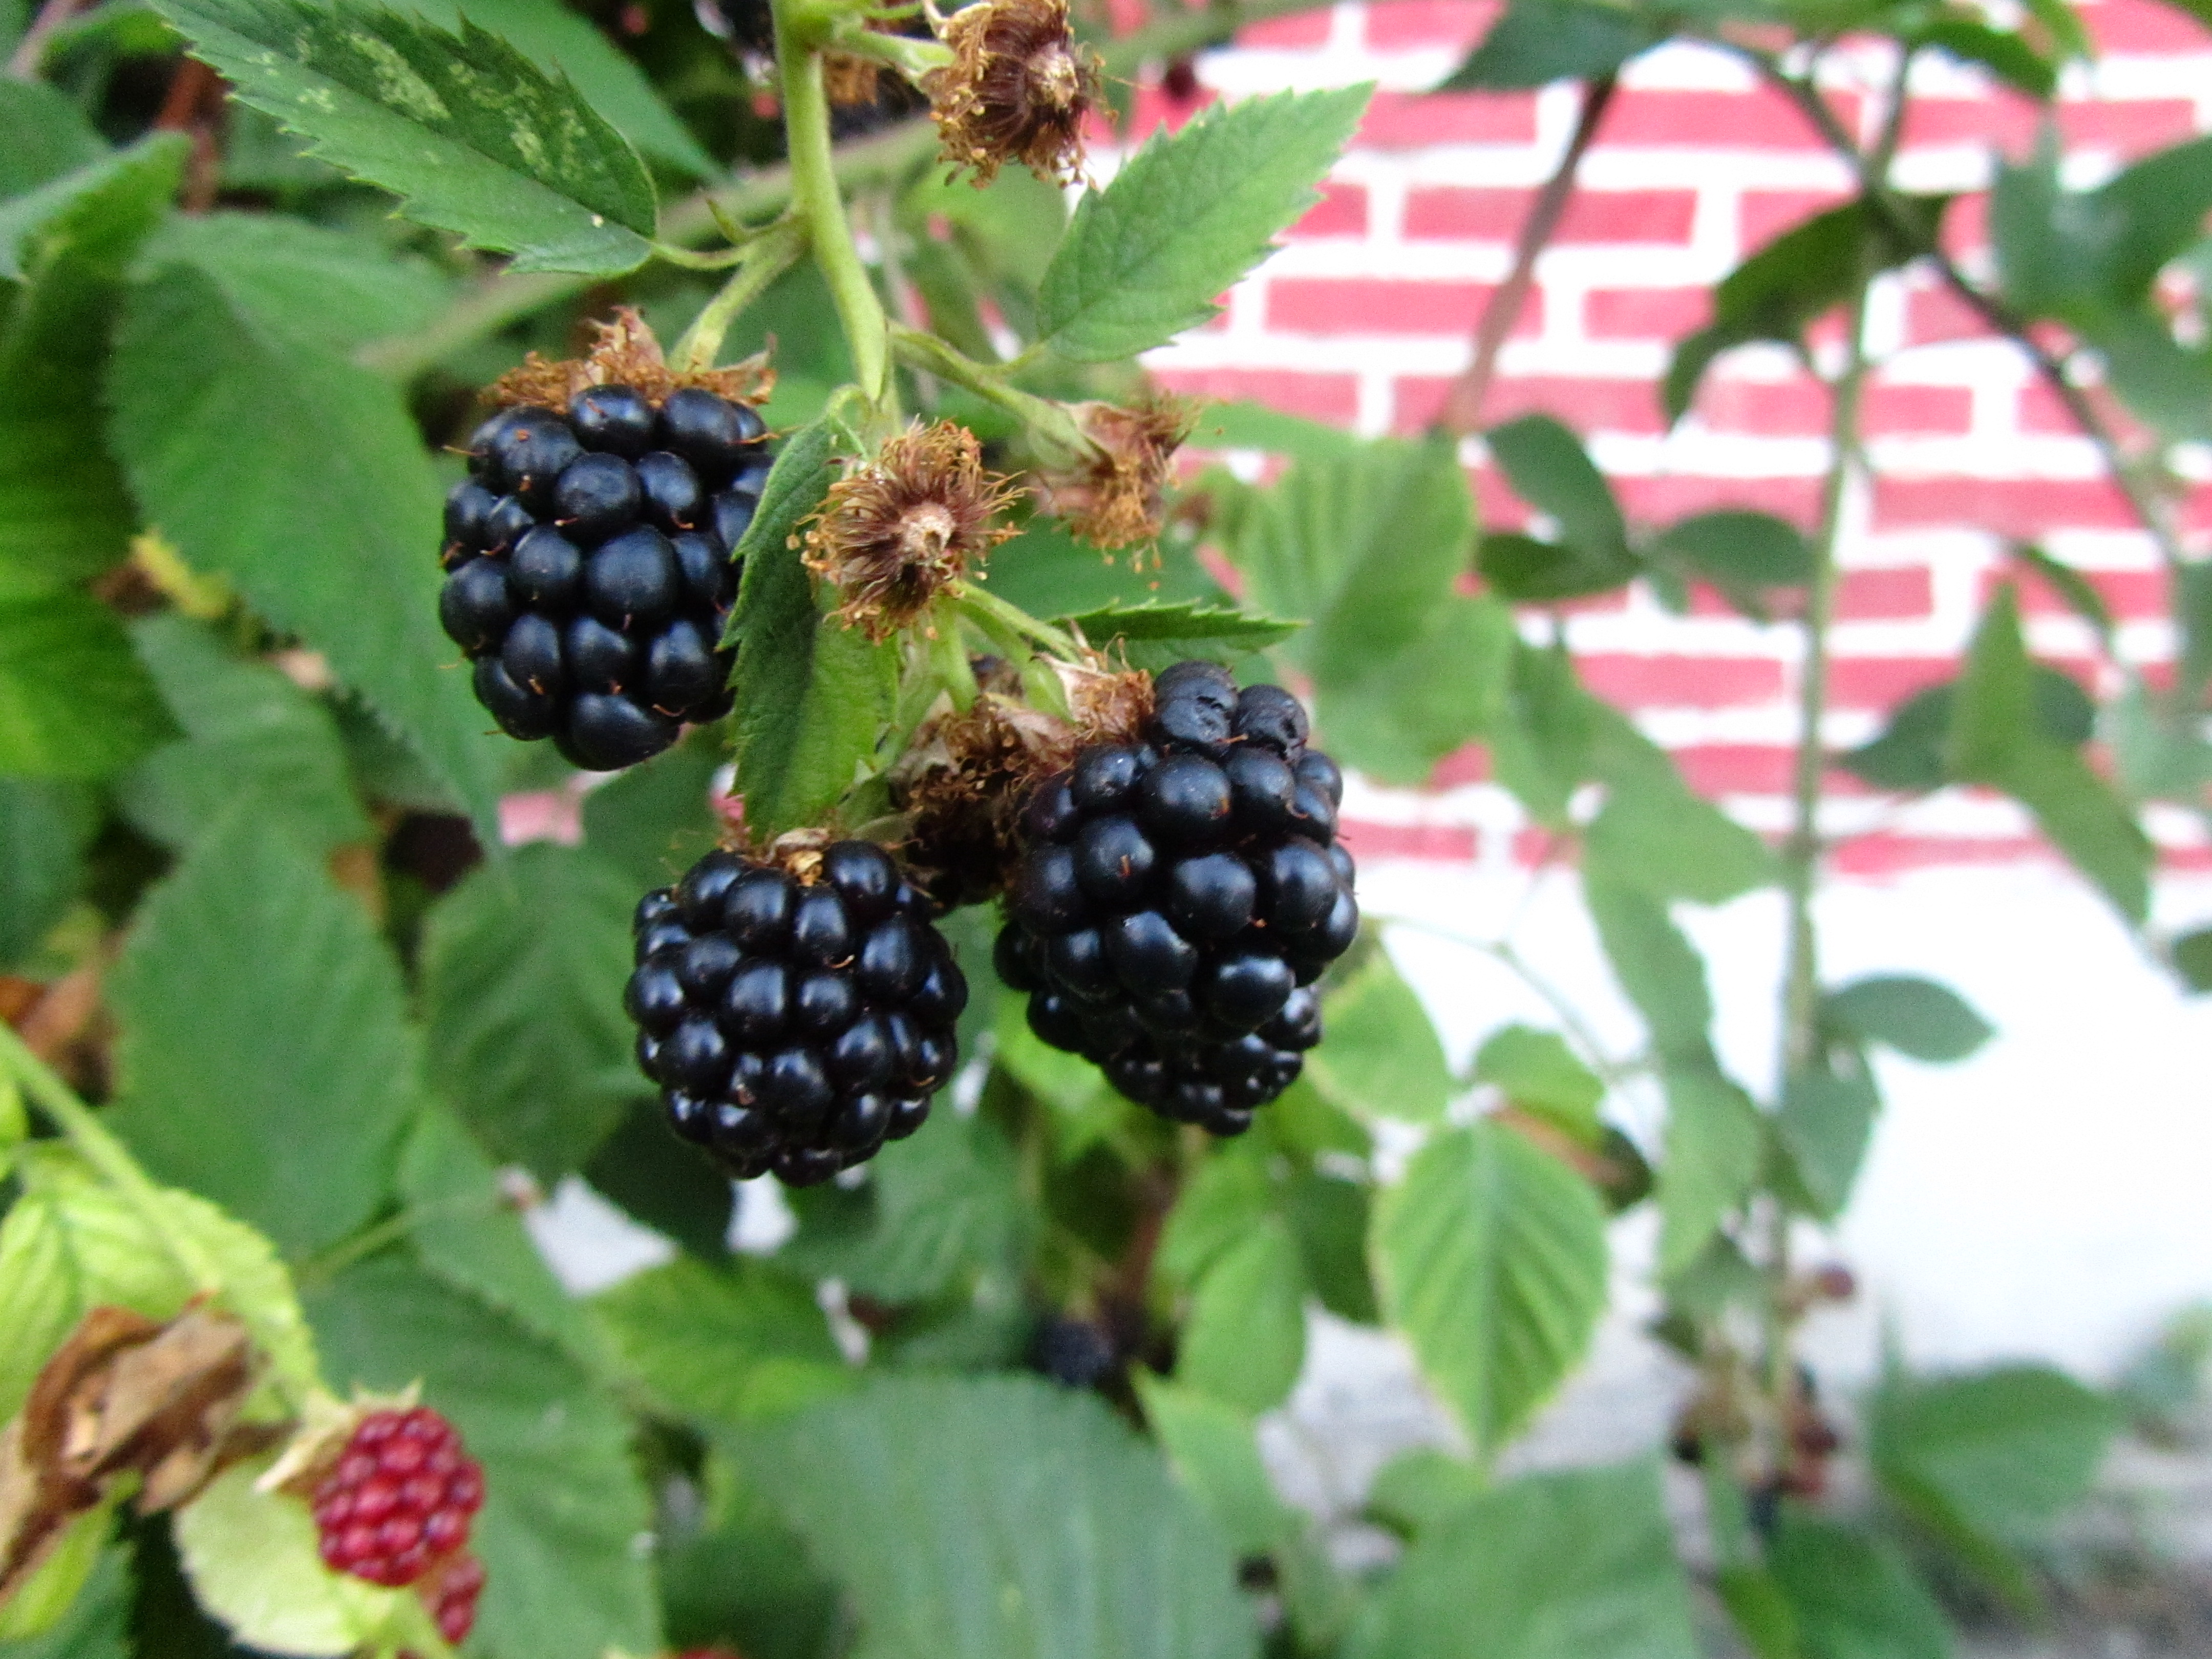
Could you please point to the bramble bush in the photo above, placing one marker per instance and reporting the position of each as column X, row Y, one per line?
column 933, row 666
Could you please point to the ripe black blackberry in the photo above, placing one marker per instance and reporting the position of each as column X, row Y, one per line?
column 794, row 1023
column 590, row 569
column 1177, row 897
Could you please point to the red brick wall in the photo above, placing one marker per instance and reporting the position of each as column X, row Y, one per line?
column 1364, row 316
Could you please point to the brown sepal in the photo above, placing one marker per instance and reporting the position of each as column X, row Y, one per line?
column 1020, row 88
column 626, row 354
column 1114, row 498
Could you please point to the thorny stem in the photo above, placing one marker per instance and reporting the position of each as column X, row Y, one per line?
column 820, row 208
column 1463, row 410
column 108, row 1157
column 766, row 258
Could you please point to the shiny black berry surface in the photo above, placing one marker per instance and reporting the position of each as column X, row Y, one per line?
column 794, row 1026
column 1178, row 898
column 589, row 575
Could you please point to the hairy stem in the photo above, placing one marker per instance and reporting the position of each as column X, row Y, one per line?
column 1463, row 410
column 992, row 613
column 767, row 257
column 1043, row 417
column 106, row 1155
column 819, row 207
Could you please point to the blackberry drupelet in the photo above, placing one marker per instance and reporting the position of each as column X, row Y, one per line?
column 399, row 1500
column 590, row 569
column 794, row 1024
column 1177, row 897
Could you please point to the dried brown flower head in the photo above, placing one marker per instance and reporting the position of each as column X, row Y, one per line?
column 625, row 354
column 1114, row 499
column 1018, row 89
column 901, row 527
column 850, row 80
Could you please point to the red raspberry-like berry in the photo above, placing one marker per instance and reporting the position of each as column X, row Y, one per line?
column 402, row 1495
column 451, row 1597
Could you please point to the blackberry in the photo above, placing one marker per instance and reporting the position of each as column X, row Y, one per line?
column 1176, row 898
column 589, row 575
column 400, row 1499
column 794, row 1023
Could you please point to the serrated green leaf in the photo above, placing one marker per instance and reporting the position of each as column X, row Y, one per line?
column 564, row 1511
column 565, row 42
column 1228, row 1196
column 1428, row 699
column 472, row 136
column 253, row 741
column 468, row 1233
column 1330, row 1219
column 72, row 1243
column 1657, row 967
column 1988, row 1462
column 1418, row 1489
column 1537, row 42
column 1545, row 733
column 1741, row 554
column 235, row 437
column 43, row 135
column 324, row 287
column 44, row 827
column 1186, row 216
column 523, row 970
column 1491, row 1257
column 812, row 694
column 1211, row 1446
column 1852, row 1595
column 1716, row 1144
column 732, row 1346
column 1538, row 1073
column 1003, row 1518
column 1916, row 1017
column 1379, row 1056
column 1548, row 468
column 1186, row 626
column 254, row 1562
column 1244, row 1337
column 280, row 1086
column 1578, row 1565
column 1658, row 834
column 74, row 702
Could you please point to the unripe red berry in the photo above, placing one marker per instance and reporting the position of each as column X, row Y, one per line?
column 401, row 1494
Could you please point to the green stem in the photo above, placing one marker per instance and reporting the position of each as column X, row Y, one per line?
column 1043, row 418
column 988, row 610
column 911, row 57
column 766, row 258
column 819, row 205
column 394, row 1228
column 108, row 1158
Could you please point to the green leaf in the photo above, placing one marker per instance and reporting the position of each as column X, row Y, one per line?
column 45, row 828
column 1988, row 1462
column 1531, row 572
column 1538, row 1073
column 69, row 1244
column 1576, row 1565
column 1825, row 1122
column 1228, row 1197
column 279, row 1085
column 254, row 1562
column 1548, row 469
column 2003, row 53
column 1167, row 632
column 2084, row 255
column 1658, row 834
column 1245, row 1336
column 1330, row 1219
column 1715, row 1142
column 1003, row 1518
column 564, row 1507
column 321, row 286
column 1491, row 1257
column 1537, row 42
column 1741, row 554
column 96, row 1624
column 467, row 1232
column 523, row 970
column 1429, row 698
column 1545, row 732
column 472, row 136
column 43, row 135
column 1852, row 1595
column 1801, row 275
column 734, row 1345
column 1657, row 967
column 1916, row 1017
column 253, row 742
column 655, row 820
column 1255, row 426
column 1379, row 1056
column 1186, row 216
column 74, row 702
column 934, row 1209
column 812, row 694
column 563, row 42
column 236, row 434
column 1211, row 1446
column 1418, row 1490
column 2193, row 958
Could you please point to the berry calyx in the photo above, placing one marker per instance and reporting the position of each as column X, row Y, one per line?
column 796, row 1012
column 400, row 1496
column 1177, row 896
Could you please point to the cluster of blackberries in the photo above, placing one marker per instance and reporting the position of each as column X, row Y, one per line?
column 1178, row 897
column 794, row 1025
column 591, row 576
column 399, row 1500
